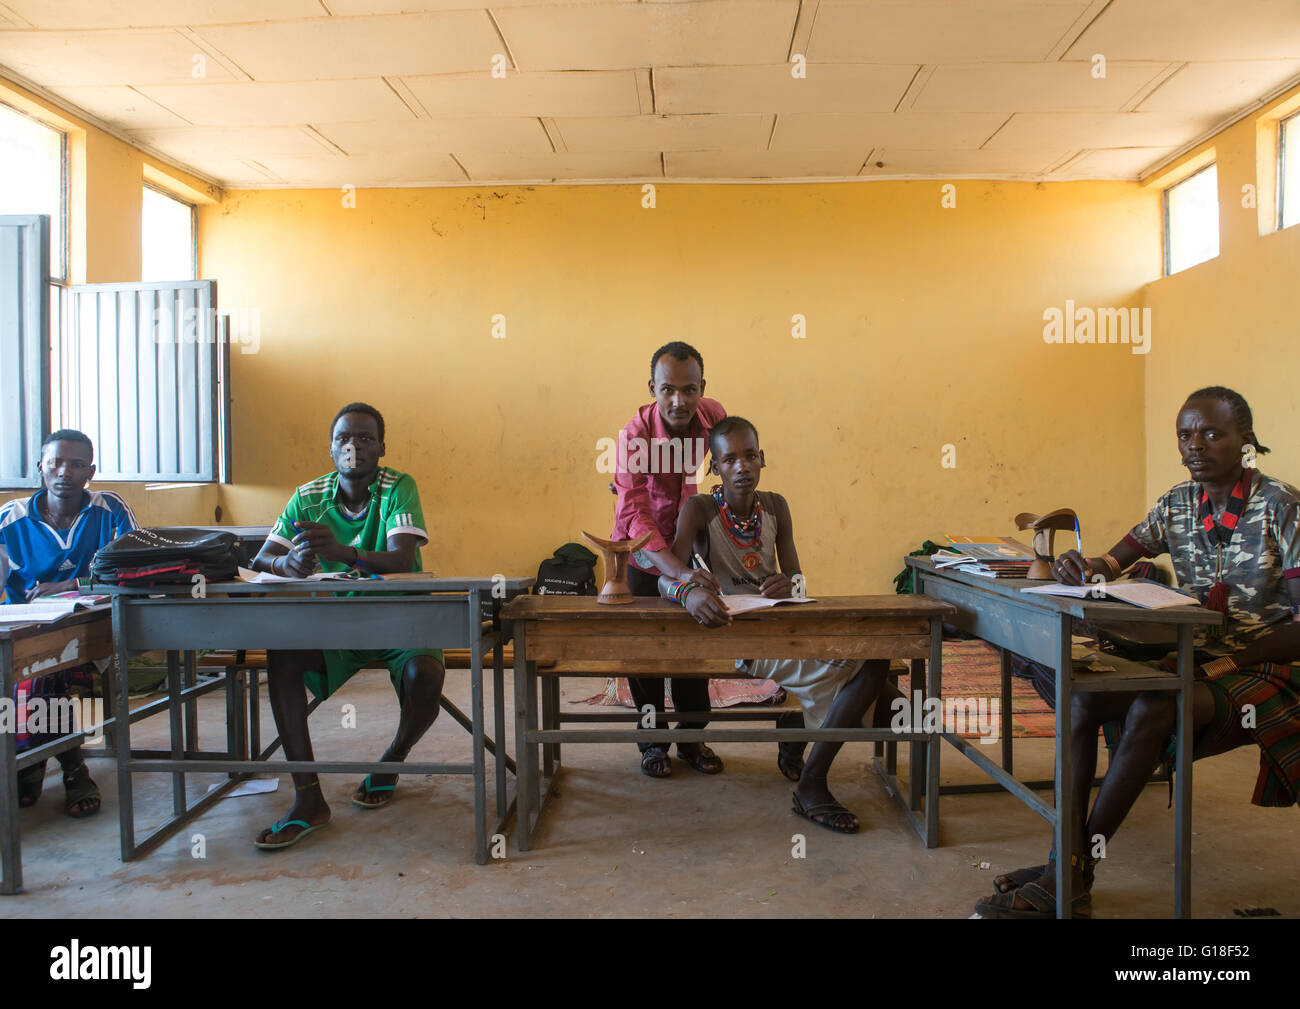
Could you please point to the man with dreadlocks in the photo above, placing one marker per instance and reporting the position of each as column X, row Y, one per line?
column 1231, row 535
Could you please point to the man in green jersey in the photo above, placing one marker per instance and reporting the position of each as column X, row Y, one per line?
column 365, row 517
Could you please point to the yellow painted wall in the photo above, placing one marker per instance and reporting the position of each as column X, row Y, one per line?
column 1232, row 320
column 106, row 177
column 924, row 328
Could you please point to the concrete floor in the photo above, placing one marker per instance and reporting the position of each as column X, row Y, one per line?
column 615, row 843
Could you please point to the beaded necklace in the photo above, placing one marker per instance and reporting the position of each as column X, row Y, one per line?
column 742, row 532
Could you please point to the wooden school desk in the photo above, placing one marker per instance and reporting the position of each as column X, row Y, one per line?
column 559, row 636
column 408, row 612
column 28, row 650
column 1039, row 628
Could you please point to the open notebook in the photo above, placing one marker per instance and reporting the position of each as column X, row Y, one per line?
column 746, row 603
column 1148, row 595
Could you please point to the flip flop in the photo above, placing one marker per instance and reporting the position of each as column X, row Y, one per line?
column 1020, row 877
column 827, row 810
column 368, row 789
column 276, row 828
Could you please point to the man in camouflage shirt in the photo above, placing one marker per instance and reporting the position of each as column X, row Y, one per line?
column 1231, row 533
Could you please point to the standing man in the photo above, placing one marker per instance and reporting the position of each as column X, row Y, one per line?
column 660, row 450
column 47, row 542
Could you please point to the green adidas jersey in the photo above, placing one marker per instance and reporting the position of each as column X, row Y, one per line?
column 394, row 508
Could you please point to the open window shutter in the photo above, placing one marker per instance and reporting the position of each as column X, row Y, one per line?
column 144, row 363
column 24, row 346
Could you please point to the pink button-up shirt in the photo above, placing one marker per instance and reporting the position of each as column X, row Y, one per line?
column 656, row 474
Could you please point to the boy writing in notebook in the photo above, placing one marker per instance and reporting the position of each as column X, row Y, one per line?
column 747, row 539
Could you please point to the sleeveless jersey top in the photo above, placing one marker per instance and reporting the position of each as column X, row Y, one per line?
column 741, row 570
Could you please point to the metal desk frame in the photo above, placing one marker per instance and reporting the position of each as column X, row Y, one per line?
column 1039, row 627
column 278, row 616
column 48, row 644
column 535, row 779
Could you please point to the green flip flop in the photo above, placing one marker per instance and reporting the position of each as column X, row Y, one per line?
column 368, row 788
column 276, row 828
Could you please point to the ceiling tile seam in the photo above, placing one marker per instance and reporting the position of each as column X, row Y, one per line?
column 1090, row 14
column 654, row 94
column 406, row 96
column 324, row 141
column 14, row 18
column 11, row 76
column 154, row 101
column 325, row 7
column 257, row 166
column 771, row 134
column 801, row 34
column 1148, row 89
column 193, row 37
column 1069, row 160
column 867, row 160
column 502, row 37
column 553, row 135
column 996, row 132
column 645, row 99
column 907, row 100
column 464, row 171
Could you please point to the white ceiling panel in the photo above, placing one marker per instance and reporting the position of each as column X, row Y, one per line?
column 937, row 31
column 126, row 108
column 1033, row 130
column 488, row 133
column 828, row 87
column 945, row 164
column 1193, row 30
column 152, row 56
column 368, row 170
column 1220, row 88
column 665, row 133
column 323, row 48
column 541, row 167
column 557, row 93
column 254, row 103
column 196, row 143
column 763, row 164
column 1116, row 163
column 65, row 14
column 400, row 92
column 937, row 130
column 1034, row 87
column 621, row 36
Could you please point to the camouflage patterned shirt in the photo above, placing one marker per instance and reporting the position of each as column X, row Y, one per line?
column 1263, row 553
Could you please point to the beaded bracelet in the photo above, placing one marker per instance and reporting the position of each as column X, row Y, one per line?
column 686, row 590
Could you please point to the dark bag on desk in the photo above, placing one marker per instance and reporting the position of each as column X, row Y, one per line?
column 570, row 572
column 145, row 557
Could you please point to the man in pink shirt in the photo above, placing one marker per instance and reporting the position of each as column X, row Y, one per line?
column 660, row 450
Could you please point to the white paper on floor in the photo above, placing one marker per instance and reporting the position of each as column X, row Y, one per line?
column 253, row 786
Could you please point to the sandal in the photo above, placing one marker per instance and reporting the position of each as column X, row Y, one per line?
column 1022, row 876
column 80, row 788
column 1043, row 903
column 278, row 828
column 789, row 756
column 826, row 810
column 31, row 782
column 369, row 789
column 700, row 757
column 655, row 763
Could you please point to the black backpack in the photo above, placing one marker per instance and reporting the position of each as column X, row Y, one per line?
column 570, row 572
column 145, row 557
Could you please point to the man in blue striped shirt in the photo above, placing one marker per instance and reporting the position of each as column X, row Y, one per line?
column 47, row 541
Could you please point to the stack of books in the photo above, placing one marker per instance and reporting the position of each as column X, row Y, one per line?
column 987, row 556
